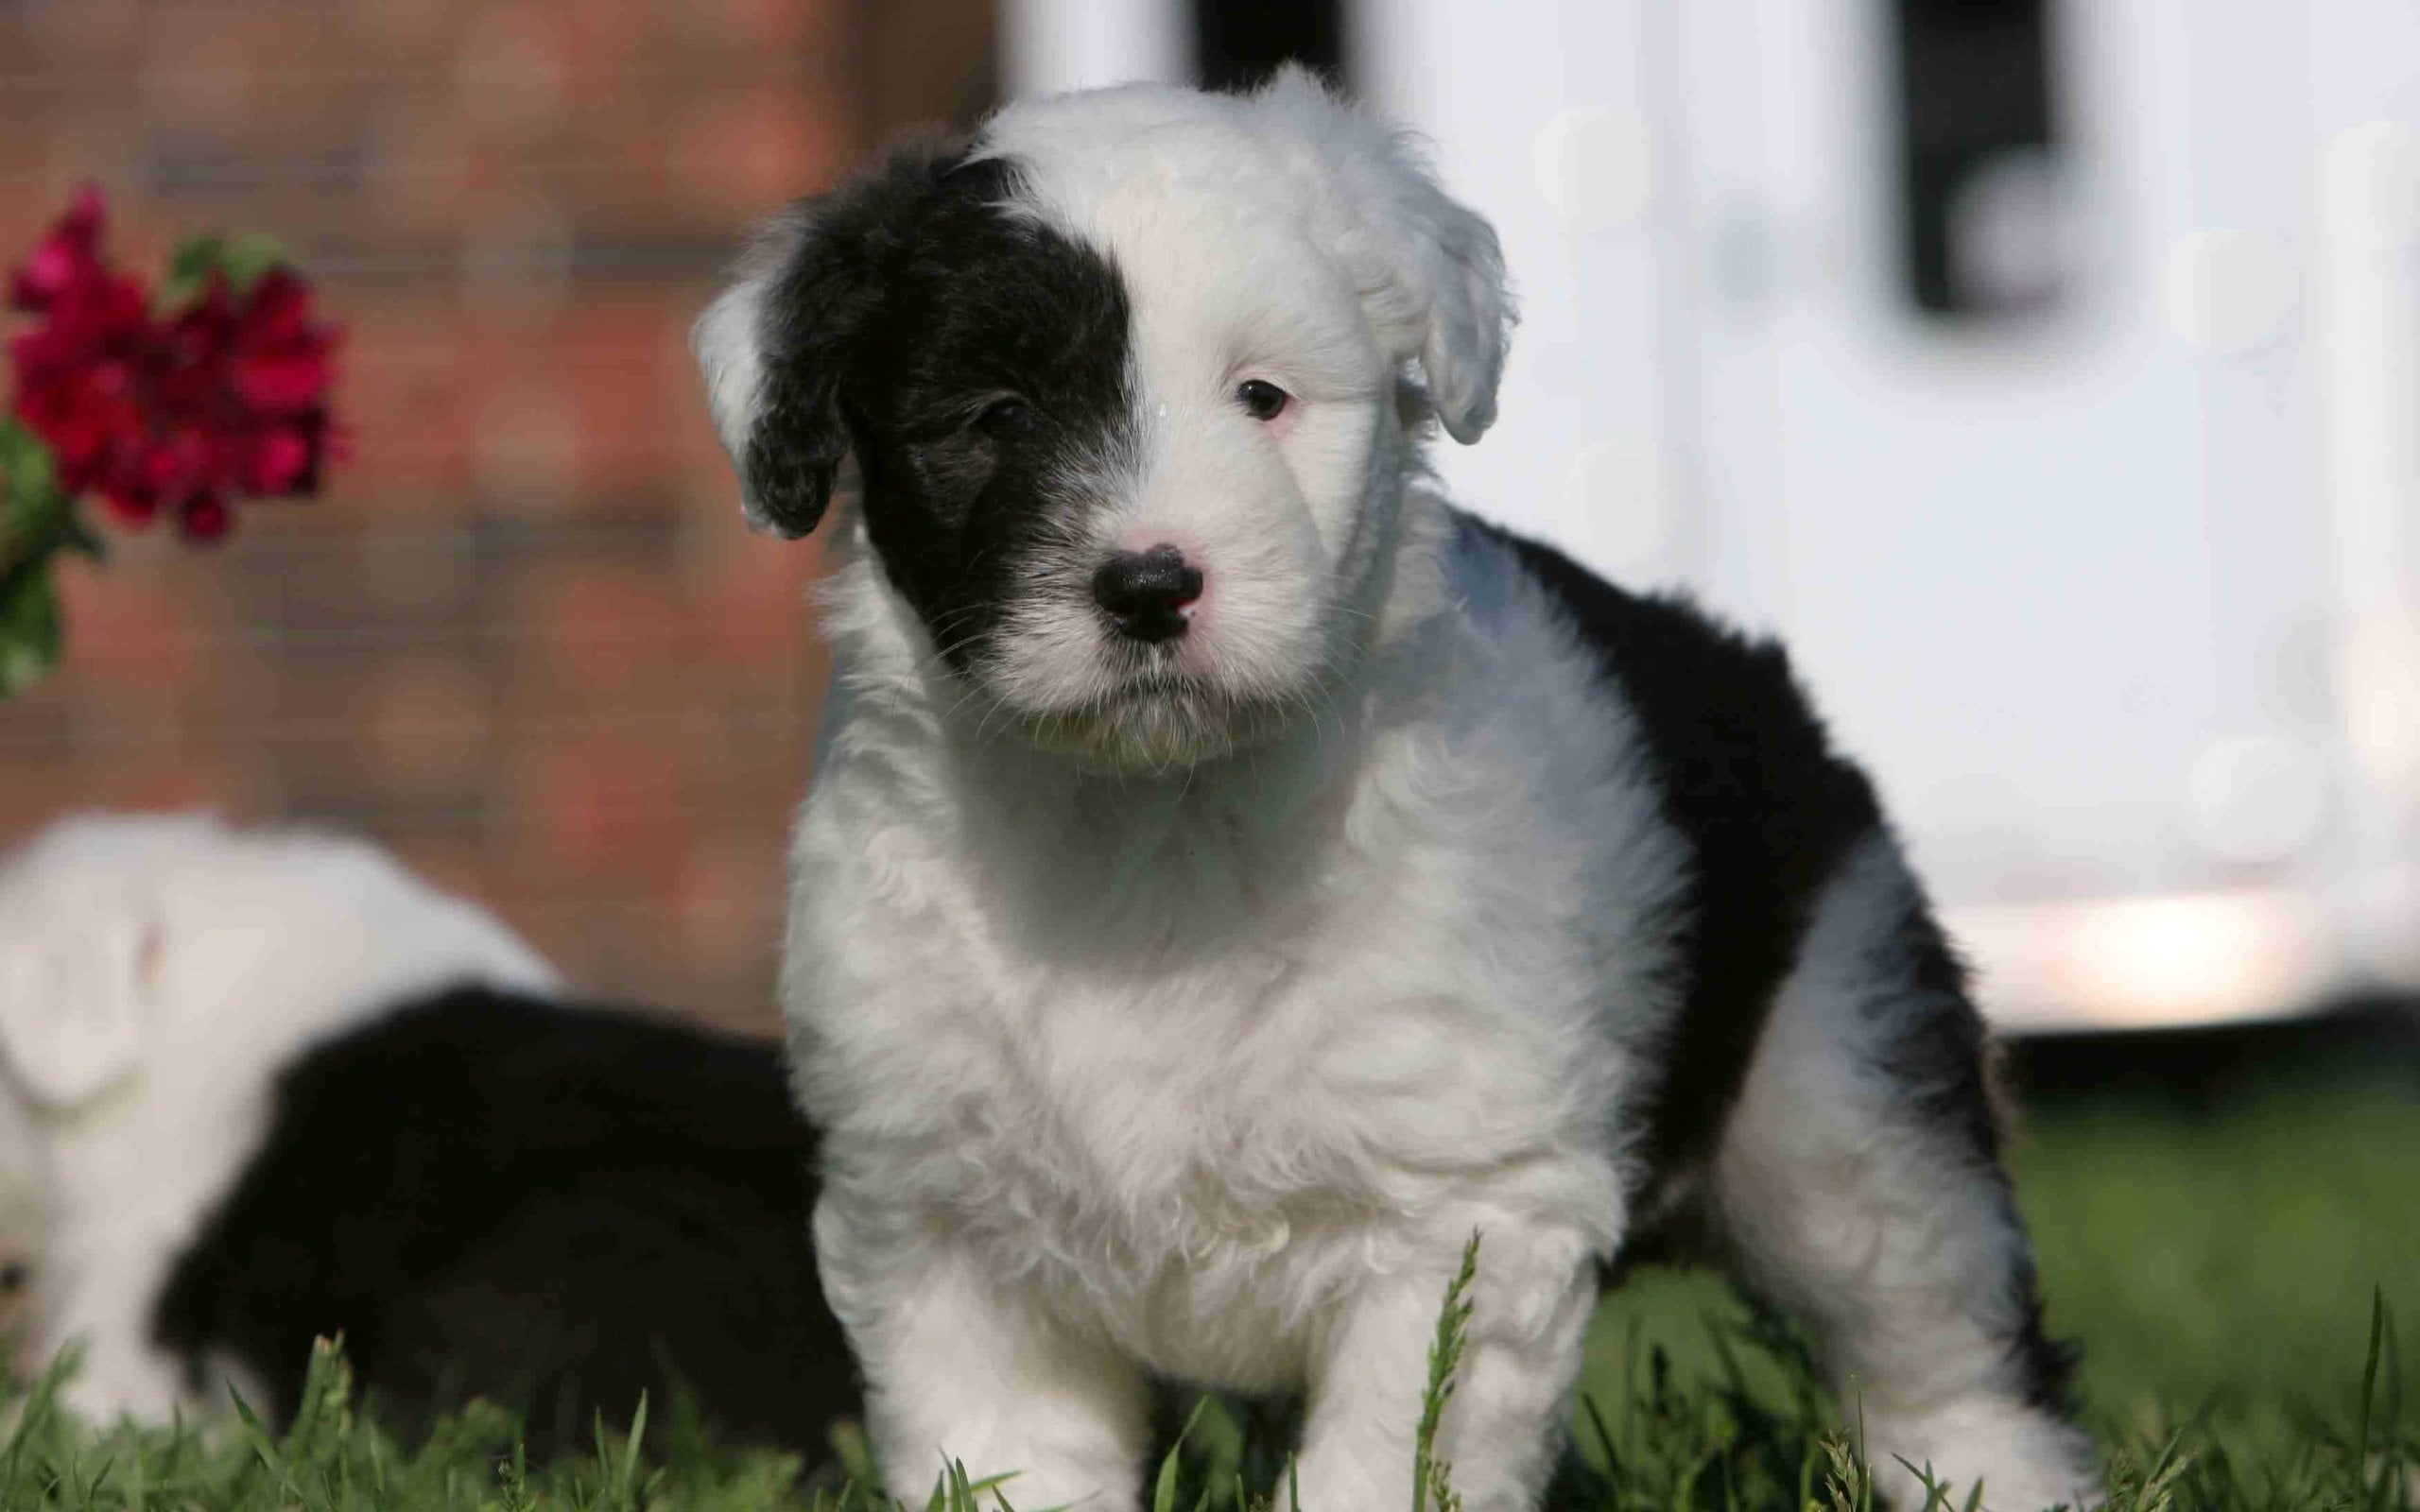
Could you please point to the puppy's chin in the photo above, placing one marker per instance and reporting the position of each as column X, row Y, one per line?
column 1149, row 727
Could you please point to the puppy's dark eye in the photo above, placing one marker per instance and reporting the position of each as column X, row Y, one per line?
column 1004, row 418
column 13, row 1277
column 1261, row 399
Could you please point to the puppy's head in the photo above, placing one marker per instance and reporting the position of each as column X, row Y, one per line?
column 1122, row 378
column 81, row 950
column 80, row 947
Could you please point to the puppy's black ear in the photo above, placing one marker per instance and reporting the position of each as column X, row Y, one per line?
column 776, row 347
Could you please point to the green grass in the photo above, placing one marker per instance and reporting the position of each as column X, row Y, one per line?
column 2197, row 1259
column 2233, row 1279
column 2219, row 1267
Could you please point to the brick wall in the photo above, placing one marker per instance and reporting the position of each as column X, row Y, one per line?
column 523, row 637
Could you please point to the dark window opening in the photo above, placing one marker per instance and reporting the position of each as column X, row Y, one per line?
column 1236, row 43
column 1985, row 207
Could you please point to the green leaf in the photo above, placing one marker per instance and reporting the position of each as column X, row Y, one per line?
column 196, row 258
column 21, row 454
column 31, row 478
column 29, row 627
column 190, row 268
column 1163, row 1494
column 251, row 256
column 241, row 260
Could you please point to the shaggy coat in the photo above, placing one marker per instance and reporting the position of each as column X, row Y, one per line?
column 267, row 1087
column 556, row 1206
column 1231, row 877
column 157, row 973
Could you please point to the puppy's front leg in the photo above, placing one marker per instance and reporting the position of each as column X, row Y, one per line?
column 962, row 1365
column 1511, row 1396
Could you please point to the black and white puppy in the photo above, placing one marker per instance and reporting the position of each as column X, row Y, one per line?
column 1233, row 876
column 558, row 1207
column 267, row 1086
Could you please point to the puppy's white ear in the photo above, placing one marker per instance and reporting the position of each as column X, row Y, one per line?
column 74, row 1007
column 1470, row 322
column 730, row 342
column 1430, row 270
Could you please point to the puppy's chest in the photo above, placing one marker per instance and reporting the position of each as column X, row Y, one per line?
column 1148, row 1159
column 1176, row 1103
column 1260, row 1069
column 1416, row 1020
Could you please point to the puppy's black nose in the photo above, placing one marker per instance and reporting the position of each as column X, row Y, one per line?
column 1146, row 592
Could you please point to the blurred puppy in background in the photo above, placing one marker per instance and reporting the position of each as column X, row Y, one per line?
column 261, row 1087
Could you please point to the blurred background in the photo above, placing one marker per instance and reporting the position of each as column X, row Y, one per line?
column 524, row 637
column 2048, row 373
column 2045, row 373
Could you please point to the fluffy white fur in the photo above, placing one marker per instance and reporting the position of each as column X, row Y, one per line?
column 156, row 974
column 1845, row 1206
column 1205, row 1051
column 725, row 341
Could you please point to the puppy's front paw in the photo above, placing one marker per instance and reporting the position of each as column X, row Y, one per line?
column 122, row 1385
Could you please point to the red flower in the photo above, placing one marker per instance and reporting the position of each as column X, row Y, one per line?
column 227, row 395
column 71, row 252
column 78, row 373
column 282, row 360
column 204, row 518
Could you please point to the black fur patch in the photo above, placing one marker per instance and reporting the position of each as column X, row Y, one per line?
column 1749, row 779
column 556, row 1208
column 976, row 362
column 1946, row 1066
column 1768, row 811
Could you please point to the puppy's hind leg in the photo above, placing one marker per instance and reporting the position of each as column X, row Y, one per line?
column 1859, row 1184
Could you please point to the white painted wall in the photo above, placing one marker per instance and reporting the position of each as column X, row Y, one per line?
column 2121, row 607
column 1049, row 46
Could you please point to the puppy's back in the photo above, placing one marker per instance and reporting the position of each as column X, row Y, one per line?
column 557, row 1208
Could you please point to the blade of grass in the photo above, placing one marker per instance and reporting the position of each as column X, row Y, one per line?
column 1163, row 1493
column 1444, row 1357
